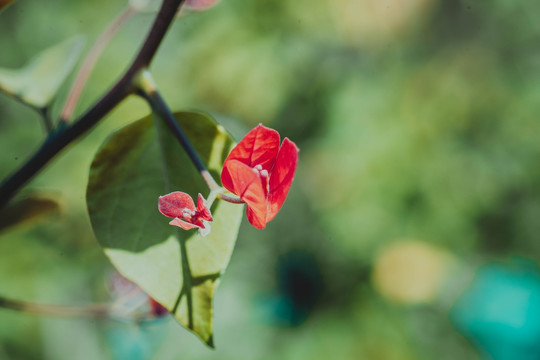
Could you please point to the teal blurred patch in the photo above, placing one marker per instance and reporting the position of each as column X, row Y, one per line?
column 136, row 341
column 500, row 312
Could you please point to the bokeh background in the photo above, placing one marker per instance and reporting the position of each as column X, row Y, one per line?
column 411, row 231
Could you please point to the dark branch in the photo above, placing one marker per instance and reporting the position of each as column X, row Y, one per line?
column 65, row 135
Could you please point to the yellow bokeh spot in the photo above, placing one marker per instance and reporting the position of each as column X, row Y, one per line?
column 411, row 272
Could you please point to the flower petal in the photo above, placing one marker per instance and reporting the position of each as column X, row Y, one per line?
column 226, row 179
column 203, row 212
column 281, row 177
column 172, row 205
column 256, row 217
column 260, row 146
column 248, row 185
column 183, row 224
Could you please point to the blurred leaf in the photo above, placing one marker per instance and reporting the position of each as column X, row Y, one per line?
column 38, row 82
column 133, row 168
column 4, row 3
column 26, row 210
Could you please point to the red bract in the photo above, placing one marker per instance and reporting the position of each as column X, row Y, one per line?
column 180, row 206
column 261, row 172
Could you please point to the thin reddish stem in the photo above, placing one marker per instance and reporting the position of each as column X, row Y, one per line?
column 91, row 59
column 111, row 310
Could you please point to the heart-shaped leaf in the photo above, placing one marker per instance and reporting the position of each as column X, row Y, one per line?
column 178, row 268
column 37, row 82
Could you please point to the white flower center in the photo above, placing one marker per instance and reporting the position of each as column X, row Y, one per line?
column 258, row 169
column 263, row 173
column 187, row 214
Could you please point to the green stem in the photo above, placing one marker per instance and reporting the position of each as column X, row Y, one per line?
column 46, row 117
column 111, row 99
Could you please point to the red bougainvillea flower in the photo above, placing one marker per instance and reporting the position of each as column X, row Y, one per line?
column 180, row 206
column 261, row 172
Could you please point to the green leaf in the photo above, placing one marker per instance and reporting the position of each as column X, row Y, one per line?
column 27, row 210
column 178, row 268
column 4, row 3
column 37, row 83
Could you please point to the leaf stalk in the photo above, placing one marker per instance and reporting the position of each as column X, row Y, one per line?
column 149, row 91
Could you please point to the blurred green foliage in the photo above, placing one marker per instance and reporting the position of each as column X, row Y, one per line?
column 415, row 119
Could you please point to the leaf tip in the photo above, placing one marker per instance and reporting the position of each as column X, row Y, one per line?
column 210, row 342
